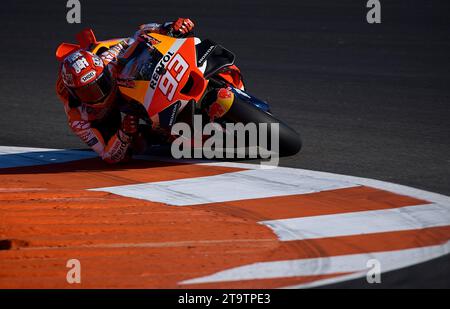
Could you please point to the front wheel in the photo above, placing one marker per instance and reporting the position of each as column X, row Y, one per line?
column 244, row 112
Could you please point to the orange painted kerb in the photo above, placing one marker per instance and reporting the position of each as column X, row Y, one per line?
column 47, row 216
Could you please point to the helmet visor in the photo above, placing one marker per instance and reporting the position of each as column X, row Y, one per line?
column 95, row 91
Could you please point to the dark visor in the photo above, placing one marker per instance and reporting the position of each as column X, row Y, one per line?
column 96, row 91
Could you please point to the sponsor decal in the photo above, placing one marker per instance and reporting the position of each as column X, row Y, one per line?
column 115, row 50
column 98, row 62
column 92, row 142
column 160, row 68
column 84, row 135
column 216, row 110
column 80, row 125
column 149, row 39
column 74, row 56
column 80, row 65
column 88, row 137
column 87, row 77
column 119, row 149
column 169, row 81
column 208, row 51
column 123, row 138
column 111, row 54
column 223, row 103
column 224, row 93
column 154, row 41
column 173, row 115
column 168, row 116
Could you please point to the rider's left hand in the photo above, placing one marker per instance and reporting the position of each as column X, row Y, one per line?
column 183, row 26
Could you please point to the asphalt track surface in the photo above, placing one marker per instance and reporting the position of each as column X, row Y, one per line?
column 369, row 100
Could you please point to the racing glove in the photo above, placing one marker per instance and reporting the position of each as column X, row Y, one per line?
column 182, row 26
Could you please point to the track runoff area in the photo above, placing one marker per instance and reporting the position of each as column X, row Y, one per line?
column 69, row 220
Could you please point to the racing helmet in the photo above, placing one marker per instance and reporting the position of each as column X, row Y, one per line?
column 86, row 77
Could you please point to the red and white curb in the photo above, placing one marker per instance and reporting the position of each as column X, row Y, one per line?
column 306, row 221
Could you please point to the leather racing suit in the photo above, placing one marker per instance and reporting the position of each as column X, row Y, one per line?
column 100, row 125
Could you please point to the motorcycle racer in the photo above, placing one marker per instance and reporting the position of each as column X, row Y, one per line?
column 87, row 85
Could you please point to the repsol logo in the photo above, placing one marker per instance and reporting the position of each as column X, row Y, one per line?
column 160, row 69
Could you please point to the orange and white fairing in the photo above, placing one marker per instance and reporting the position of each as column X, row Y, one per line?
column 177, row 66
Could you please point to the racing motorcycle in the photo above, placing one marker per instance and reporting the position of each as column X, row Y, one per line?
column 178, row 78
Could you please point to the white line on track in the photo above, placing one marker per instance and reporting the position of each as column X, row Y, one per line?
column 362, row 222
column 242, row 185
column 389, row 260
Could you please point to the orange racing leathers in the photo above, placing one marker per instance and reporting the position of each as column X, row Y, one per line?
column 100, row 125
